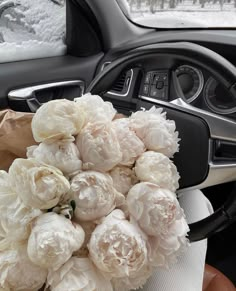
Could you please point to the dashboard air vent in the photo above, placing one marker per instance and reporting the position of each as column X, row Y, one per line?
column 122, row 84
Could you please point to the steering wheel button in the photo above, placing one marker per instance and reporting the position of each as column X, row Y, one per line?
column 160, row 85
column 145, row 90
column 154, row 92
column 156, row 79
column 147, row 78
column 164, row 78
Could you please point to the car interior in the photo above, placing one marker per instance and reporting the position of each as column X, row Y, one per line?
column 190, row 73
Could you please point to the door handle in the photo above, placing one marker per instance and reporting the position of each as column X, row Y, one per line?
column 28, row 94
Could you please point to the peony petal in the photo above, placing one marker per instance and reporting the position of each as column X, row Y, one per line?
column 15, row 217
column 78, row 274
column 123, row 179
column 159, row 212
column 64, row 156
column 156, row 168
column 130, row 145
column 53, row 240
column 94, row 195
column 17, row 272
column 62, row 119
column 38, row 185
column 157, row 133
column 96, row 109
column 118, row 247
column 99, row 147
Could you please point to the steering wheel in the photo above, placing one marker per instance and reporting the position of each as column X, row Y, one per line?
column 202, row 133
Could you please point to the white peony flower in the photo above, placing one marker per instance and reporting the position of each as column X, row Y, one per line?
column 53, row 240
column 88, row 227
column 94, row 195
column 123, row 179
column 158, row 169
column 99, row 147
column 5, row 187
column 157, row 133
column 97, row 110
column 163, row 251
column 15, row 220
column 155, row 209
column 158, row 213
column 78, row 274
column 38, row 185
column 57, row 120
column 15, row 217
column 133, row 282
column 17, row 272
column 117, row 247
column 63, row 156
column 131, row 146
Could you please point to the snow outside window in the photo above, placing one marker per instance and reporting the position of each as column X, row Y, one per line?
column 32, row 29
column 181, row 13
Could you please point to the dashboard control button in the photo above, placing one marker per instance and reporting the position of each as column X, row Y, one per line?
column 164, row 78
column 147, row 79
column 161, row 94
column 154, row 92
column 145, row 90
column 160, row 85
column 156, row 78
column 160, row 77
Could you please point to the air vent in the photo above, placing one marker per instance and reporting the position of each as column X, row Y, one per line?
column 122, row 85
column 119, row 84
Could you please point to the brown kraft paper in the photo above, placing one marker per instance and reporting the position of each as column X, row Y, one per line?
column 15, row 136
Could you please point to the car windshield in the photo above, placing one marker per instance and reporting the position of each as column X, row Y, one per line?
column 182, row 13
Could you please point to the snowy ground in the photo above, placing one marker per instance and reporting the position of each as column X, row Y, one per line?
column 181, row 19
column 31, row 29
column 187, row 15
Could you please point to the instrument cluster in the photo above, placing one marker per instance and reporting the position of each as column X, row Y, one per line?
column 193, row 85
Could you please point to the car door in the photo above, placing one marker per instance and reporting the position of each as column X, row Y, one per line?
column 48, row 50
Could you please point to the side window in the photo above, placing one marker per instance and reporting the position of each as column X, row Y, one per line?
column 32, row 29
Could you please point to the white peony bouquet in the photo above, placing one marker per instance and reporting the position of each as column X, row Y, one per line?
column 93, row 207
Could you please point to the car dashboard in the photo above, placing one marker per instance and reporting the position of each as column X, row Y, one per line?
column 168, row 79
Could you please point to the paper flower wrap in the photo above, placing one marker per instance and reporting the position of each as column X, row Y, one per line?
column 38, row 185
column 93, row 207
column 57, row 120
column 81, row 273
column 53, row 240
column 94, row 195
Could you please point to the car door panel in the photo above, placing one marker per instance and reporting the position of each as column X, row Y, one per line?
column 29, row 73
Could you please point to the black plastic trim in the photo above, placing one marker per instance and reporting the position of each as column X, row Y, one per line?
column 40, row 71
column 83, row 34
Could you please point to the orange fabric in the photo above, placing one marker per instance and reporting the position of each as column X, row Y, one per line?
column 15, row 136
column 214, row 280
